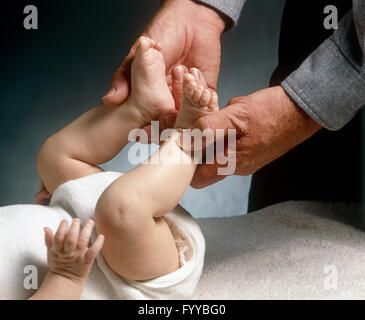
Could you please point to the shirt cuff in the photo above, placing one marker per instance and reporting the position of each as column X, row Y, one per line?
column 230, row 8
column 327, row 86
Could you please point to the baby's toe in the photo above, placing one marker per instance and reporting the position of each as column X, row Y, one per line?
column 198, row 76
column 205, row 98
column 144, row 44
column 189, row 85
column 213, row 102
column 198, row 91
column 155, row 45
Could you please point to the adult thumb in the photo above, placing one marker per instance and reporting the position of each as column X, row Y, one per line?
column 120, row 85
column 206, row 175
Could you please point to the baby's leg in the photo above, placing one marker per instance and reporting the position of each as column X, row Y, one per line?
column 92, row 139
column 99, row 134
column 138, row 243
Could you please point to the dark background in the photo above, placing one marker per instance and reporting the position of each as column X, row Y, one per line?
column 51, row 75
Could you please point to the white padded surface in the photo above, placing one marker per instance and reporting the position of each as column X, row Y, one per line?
column 281, row 252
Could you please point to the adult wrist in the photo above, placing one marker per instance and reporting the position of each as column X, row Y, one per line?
column 305, row 124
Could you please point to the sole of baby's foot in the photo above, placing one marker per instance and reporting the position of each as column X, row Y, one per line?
column 197, row 102
column 150, row 94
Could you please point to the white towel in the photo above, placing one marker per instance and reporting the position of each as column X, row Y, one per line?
column 22, row 245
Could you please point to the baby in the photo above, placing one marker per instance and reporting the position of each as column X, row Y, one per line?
column 147, row 250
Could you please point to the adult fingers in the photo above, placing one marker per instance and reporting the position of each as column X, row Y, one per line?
column 120, row 85
column 214, row 121
column 42, row 198
column 206, row 175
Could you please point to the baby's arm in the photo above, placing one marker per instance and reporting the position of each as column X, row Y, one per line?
column 92, row 139
column 70, row 261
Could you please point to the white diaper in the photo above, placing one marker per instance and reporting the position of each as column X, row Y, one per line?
column 79, row 198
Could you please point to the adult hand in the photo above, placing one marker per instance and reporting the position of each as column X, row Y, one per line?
column 42, row 197
column 268, row 124
column 189, row 34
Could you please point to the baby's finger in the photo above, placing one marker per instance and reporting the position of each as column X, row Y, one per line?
column 72, row 236
column 94, row 250
column 59, row 237
column 48, row 237
column 85, row 234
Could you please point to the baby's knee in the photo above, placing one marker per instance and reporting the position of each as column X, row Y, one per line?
column 45, row 155
column 50, row 163
column 117, row 212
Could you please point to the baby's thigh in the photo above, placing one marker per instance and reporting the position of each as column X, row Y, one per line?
column 137, row 246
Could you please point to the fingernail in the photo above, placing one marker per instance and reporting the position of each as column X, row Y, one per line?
column 111, row 92
column 178, row 73
column 196, row 73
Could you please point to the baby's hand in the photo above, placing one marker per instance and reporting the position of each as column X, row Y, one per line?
column 67, row 251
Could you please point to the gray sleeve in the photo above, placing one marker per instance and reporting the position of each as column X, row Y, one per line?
column 230, row 8
column 330, row 84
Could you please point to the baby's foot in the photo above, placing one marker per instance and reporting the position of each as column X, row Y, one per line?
column 150, row 94
column 198, row 102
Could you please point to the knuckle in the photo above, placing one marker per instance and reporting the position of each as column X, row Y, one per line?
column 247, row 167
column 59, row 237
column 235, row 100
column 237, row 118
column 69, row 242
column 83, row 241
column 90, row 256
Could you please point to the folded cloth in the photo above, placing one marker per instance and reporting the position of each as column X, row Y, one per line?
column 22, row 227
